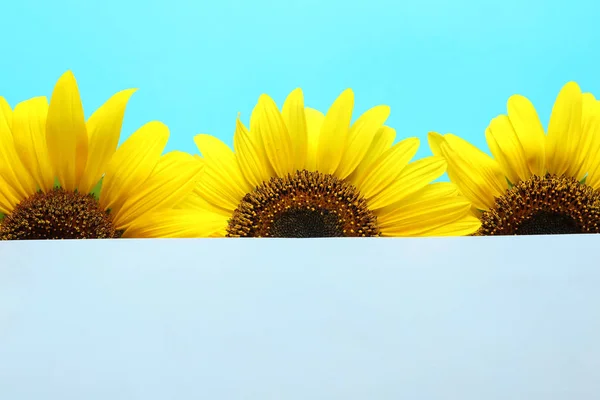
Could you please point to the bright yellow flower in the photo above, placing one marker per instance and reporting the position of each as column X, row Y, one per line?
column 536, row 183
column 42, row 143
column 299, row 173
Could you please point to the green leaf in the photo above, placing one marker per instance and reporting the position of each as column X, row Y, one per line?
column 56, row 183
column 96, row 190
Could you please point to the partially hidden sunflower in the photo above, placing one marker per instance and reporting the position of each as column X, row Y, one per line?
column 535, row 183
column 299, row 173
column 51, row 159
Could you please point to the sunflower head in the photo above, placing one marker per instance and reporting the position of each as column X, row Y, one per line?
column 52, row 159
column 535, row 182
column 297, row 172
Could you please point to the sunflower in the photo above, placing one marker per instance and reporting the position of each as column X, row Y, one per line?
column 535, row 183
column 299, row 173
column 51, row 159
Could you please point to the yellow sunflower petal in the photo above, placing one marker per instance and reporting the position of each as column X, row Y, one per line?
column 29, row 132
column 17, row 179
column 196, row 201
column 593, row 177
column 587, row 154
column 388, row 167
column 507, row 149
column 435, row 141
column 66, row 133
column 334, row 132
column 476, row 156
column 434, row 190
column 5, row 111
column 429, row 192
column 174, row 177
column 222, row 182
column 464, row 226
column 478, row 176
column 423, row 216
column 257, row 140
column 360, row 137
column 276, row 139
column 132, row 164
column 9, row 198
column 250, row 155
column 178, row 223
column 530, row 133
column 104, row 130
column 476, row 212
column 254, row 117
column 382, row 141
column 564, row 131
column 413, row 178
column 295, row 120
column 314, row 122
column 591, row 130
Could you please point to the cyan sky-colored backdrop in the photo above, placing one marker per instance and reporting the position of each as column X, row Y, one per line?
column 441, row 65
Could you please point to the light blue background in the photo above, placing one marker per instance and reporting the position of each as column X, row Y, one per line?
column 441, row 65
column 328, row 319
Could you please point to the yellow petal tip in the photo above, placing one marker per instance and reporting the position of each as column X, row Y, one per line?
column 295, row 95
column 434, row 138
column 67, row 76
column 157, row 128
column 515, row 98
column 157, row 124
column 265, row 98
column 572, row 87
column 129, row 91
column 347, row 93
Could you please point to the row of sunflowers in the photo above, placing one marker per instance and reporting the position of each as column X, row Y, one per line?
column 294, row 172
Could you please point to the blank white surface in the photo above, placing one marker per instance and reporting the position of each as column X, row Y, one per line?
column 377, row 319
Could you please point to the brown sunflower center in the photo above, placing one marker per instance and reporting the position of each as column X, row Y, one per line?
column 303, row 205
column 58, row 214
column 549, row 205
